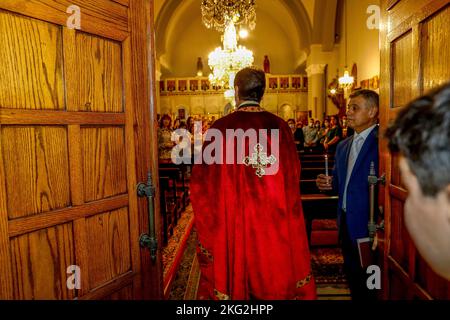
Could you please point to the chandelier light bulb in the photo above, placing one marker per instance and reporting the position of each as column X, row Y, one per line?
column 243, row 33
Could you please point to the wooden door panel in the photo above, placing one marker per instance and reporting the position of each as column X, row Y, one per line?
column 101, row 17
column 32, row 66
column 123, row 294
column 109, row 251
column 39, row 262
column 415, row 58
column 402, row 69
column 436, row 48
column 37, row 177
column 398, row 246
column 103, row 151
column 95, row 82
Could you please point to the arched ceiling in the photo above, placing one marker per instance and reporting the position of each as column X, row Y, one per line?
column 284, row 32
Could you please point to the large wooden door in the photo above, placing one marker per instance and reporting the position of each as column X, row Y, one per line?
column 76, row 128
column 415, row 57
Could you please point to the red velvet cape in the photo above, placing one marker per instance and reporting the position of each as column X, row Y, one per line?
column 251, row 230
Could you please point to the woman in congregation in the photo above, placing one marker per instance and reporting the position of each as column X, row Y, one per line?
column 190, row 125
column 297, row 133
column 165, row 143
column 334, row 135
column 322, row 133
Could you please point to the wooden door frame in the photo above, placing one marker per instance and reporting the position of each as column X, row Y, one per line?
column 141, row 18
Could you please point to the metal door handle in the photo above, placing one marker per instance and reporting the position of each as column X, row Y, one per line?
column 149, row 240
column 373, row 181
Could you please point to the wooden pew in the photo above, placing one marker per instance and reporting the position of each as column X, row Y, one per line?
column 314, row 157
column 308, row 186
column 179, row 186
column 316, row 164
column 167, row 208
column 320, row 209
column 174, row 196
column 312, row 173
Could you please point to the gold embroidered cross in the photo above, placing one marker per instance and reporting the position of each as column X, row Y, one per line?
column 259, row 160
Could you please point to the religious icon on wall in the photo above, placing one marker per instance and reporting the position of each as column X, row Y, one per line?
column 375, row 82
column 302, row 116
column 305, row 82
column 296, row 82
column 170, row 85
column 273, row 83
column 365, row 84
column 161, row 86
column 193, row 85
column 284, row 83
column 182, row 85
column 205, row 85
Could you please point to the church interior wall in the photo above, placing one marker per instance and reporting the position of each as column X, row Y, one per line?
column 186, row 40
column 363, row 43
column 214, row 104
column 362, row 47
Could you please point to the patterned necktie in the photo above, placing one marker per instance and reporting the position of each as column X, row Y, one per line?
column 354, row 151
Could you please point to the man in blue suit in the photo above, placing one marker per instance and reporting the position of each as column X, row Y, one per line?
column 354, row 156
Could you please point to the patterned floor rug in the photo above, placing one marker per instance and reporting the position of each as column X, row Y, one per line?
column 173, row 252
column 327, row 265
column 328, row 268
column 185, row 283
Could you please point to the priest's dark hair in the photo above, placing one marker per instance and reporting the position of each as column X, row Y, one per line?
column 251, row 83
column 421, row 133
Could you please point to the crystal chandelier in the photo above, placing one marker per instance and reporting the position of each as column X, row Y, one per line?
column 217, row 13
column 227, row 61
column 346, row 82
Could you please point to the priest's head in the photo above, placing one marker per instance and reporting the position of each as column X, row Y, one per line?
column 421, row 134
column 249, row 85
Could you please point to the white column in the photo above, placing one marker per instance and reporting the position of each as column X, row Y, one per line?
column 316, row 90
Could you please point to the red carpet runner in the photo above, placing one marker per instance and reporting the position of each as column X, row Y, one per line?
column 175, row 248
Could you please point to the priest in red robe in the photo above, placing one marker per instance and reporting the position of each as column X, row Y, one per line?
column 252, row 241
